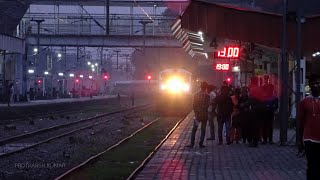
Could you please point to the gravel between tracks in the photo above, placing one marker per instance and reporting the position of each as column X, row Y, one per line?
column 49, row 160
column 24, row 126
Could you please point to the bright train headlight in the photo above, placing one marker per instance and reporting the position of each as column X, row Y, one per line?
column 163, row 87
column 186, row 87
column 175, row 85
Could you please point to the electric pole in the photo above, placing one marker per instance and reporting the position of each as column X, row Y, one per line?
column 117, row 51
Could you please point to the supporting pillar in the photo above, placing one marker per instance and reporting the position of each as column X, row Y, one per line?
column 284, row 79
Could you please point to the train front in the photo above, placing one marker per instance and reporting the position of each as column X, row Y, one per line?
column 174, row 92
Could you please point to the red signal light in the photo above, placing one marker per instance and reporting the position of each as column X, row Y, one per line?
column 149, row 77
column 77, row 80
column 105, row 77
column 228, row 79
column 39, row 81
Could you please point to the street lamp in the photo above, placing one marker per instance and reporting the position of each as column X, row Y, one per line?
column 59, row 55
column 35, row 50
column 30, row 71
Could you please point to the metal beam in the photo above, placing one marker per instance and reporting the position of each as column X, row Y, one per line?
column 144, row 3
column 104, row 41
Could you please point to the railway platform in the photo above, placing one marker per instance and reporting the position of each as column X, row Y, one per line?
column 57, row 101
column 236, row 161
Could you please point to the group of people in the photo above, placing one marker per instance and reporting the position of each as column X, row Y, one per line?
column 246, row 113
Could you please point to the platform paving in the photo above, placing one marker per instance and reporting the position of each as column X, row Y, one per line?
column 222, row 162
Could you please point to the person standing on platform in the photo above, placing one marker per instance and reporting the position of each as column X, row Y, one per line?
column 211, row 111
column 235, row 120
column 200, row 108
column 309, row 117
column 10, row 94
column 224, row 111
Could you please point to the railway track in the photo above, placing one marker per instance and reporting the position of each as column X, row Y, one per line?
column 30, row 140
column 82, row 165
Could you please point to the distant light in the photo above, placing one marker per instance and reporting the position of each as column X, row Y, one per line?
column 92, row 66
column 93, row 70
column 96, row 64
column 30, row 71
column 236, row 69
column 81, row 76
column 59, row 55
column 46, row 72
column 90, row 77
column 89, row 63
column 200, row 33
column 35, row 50
column 60, row 74
column 206, row 55
column 71, row 75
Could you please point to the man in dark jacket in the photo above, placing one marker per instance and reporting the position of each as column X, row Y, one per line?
column 200, row 108
column 224, row 111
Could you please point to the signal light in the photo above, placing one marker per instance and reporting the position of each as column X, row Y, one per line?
column 228, row 79
column 77, row 80
column 105, row 77
column 39, row 81
column 149, row 77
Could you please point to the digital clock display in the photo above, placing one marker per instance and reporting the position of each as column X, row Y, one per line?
column 222, row 67
column 228, row 52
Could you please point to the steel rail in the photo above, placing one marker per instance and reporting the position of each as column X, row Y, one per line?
column 16, row 138
column 95, row 157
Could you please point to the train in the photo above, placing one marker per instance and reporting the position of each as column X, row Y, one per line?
column 172, row 91
column 175, row 92
column 137, row 87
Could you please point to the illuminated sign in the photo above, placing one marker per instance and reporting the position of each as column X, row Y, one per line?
column 228, row 52
column 222, row 67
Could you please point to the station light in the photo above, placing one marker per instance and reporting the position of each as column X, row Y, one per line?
column 46, row 73
column 59, row 55
column 71, row 75
column 81, row 76
column 90, row 77
column 60, row 74
column 30, row 71
column 35, row 50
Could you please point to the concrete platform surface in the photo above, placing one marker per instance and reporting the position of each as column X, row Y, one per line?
column 222, row 162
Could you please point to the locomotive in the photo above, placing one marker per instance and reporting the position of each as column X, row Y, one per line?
column 175, row 92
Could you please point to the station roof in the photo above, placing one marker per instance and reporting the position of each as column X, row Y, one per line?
column 255, row 25
column 11, row 13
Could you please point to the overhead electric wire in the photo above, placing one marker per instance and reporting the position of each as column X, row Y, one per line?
column 91, row 17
